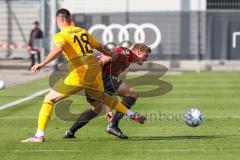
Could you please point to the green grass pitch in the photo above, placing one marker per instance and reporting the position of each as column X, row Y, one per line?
column 217, row 95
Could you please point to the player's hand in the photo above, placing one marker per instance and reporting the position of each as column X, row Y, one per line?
column 37, row 67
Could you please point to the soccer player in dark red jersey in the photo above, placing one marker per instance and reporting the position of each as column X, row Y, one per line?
column 112, row 67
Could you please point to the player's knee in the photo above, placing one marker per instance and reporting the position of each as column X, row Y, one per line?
column 96, row 108
column 110, row 101
column 53, row 99
column 95, row 94
column 48, row 98
column 133, row 94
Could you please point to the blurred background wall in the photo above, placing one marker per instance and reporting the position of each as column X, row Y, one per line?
column 200, row 30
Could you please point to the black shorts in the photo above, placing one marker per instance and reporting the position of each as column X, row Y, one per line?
column 111, row 85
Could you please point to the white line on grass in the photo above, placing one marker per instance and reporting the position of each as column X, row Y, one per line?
column 24, row 99
column 23, row 117
column 169, row 150
column 149, row 150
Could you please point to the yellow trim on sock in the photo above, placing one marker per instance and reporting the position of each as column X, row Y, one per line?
column 48, row 101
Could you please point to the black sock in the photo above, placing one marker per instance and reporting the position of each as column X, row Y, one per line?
column 116, row 118
column 83, row 119
column 128, row 102
column 32, row 60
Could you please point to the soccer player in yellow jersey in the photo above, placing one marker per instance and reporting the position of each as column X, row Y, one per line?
column 76, row 44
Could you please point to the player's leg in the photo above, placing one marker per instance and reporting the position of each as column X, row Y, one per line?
column 39, row 56
column 96, row 91
column 113, row 103
column 96, row 108
column 46, row 110
column 99, row 98
column 44, row 115
column 94, row 84
column 96, row 105
column 129, row 98
column 32, row 56
column 59, row 92
column 84, row 118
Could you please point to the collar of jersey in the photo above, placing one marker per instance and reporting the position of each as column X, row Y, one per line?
column 66, row 27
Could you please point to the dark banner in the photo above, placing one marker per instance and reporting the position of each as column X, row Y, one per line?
column 223, row 35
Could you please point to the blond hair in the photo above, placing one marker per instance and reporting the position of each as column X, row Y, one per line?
column 142, row 47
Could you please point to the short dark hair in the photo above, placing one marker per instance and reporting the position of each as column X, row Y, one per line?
column 64, row 13
column 36, row 22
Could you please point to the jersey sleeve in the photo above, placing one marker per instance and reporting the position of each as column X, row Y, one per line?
column 94, row 42
column 59, row 39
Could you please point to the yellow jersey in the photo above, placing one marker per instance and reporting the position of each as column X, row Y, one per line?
column 76, row 42
column 78, row 46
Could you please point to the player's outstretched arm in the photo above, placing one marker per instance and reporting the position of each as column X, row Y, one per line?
column 104, row 49
column 98, row 46
column 105, row 59
column 54, row 53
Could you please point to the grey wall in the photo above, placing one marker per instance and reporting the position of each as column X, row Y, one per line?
column 185, row 35
column 180, row 31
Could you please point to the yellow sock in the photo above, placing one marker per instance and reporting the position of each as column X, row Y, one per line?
column 112, row 102
column 45, row 114
column 121, row 108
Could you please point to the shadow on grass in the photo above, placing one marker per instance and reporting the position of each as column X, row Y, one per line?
column 187, row 137
column 145, row 138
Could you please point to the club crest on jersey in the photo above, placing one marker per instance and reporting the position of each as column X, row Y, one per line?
column 126, row 52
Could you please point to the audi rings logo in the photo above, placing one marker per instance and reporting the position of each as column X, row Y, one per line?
column 123, row 34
